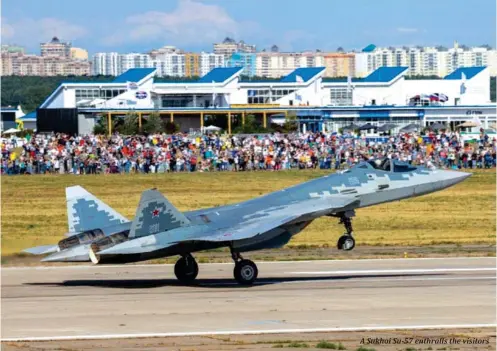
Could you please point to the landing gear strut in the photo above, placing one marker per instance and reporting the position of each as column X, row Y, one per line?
column 186, row 269
column 245, row 271
column 346, row 241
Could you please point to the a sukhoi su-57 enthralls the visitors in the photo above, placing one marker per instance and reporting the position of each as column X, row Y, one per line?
column 99, row 234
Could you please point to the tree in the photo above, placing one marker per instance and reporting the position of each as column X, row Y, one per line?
column 130, row 124
column 291, row 123
column 153, row 124
column 250, row 127
column 102, row 125
column 171, row 127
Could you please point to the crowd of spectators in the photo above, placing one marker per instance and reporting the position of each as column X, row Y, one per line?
column 92, row 154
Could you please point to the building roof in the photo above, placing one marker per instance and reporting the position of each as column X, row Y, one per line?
column 381, row 75
column 220, row 74
column 133, row 75
column 470, row 72
column 29, row 116
column 384, row 74
column 369, row 48
column 9, row 109
column 305, row 73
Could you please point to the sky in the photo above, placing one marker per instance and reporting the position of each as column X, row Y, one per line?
column 194, row 25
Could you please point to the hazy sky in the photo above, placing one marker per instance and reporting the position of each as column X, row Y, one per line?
column 127, row 26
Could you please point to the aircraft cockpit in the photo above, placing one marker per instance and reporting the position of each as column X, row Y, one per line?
column 388, row 165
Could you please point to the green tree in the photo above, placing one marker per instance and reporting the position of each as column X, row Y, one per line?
column 102, row 125
column 171, row 127
column 251, row 127
column 129, row 125
column 291, row 123
column 153, row 124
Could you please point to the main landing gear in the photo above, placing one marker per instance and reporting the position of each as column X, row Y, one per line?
column 186, row 269
column 346, row 241
column 245, row 271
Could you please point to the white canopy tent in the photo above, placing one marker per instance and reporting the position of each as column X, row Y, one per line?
column 11, row 131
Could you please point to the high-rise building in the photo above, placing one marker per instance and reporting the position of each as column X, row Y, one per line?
column 79, row 54
column 246, row 60
column 425, row 61
column 192, row 64
column 12, row 49
column 106, row 63
column 209, row 61
column 229, row 46
column 278, row 64
column 56, row 48
column 339, row 64
column 170, row 65
column 134, row 60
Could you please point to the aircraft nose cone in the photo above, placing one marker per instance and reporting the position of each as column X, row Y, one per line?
column 454, row 177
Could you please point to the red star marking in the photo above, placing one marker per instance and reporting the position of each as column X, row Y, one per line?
column 155, row 212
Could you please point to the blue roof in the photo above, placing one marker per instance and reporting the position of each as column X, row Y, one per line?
column 470, row 72
column 31, row 115
column 369, row 48
column 384, row 74
column 133, row 75
column 220, row 74
column 306, row 74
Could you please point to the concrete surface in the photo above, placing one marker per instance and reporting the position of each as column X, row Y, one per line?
column 145, row 300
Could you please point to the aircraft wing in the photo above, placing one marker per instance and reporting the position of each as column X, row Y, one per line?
column 292, row 213
column 250, row 225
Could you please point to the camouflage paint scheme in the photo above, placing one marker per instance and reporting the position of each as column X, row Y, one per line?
column 269, row 221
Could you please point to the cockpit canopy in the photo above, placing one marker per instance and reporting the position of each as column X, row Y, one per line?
column 388, row 165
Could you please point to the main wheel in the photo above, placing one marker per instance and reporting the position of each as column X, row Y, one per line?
column 186, row 269
column 245, row 272
column 346, row 243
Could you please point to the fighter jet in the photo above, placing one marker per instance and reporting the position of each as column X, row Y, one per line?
column 269, row 221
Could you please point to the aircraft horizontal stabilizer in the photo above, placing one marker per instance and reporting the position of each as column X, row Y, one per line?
column 42, row 250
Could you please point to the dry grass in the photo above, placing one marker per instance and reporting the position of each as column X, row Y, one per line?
column 34, row 212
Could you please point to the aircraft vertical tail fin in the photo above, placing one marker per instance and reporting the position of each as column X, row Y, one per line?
column 155, row 214
column 86, row 212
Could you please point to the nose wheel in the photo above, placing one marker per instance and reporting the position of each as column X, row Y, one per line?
column 346, row 241
column 186, row 269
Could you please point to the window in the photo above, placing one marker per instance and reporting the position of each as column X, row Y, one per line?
column 266, row 96
column 341, row 96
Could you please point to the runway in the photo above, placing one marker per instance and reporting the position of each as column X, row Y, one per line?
column 145, row 300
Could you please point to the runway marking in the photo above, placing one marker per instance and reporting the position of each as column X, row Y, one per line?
column 247, row 332
column 378, row 271
column 258, row 262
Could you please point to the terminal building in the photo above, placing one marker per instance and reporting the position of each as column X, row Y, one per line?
column 320, row 104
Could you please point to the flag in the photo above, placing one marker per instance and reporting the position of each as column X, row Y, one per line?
column 298, row 97
column 349, row 82
column 299, row 79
